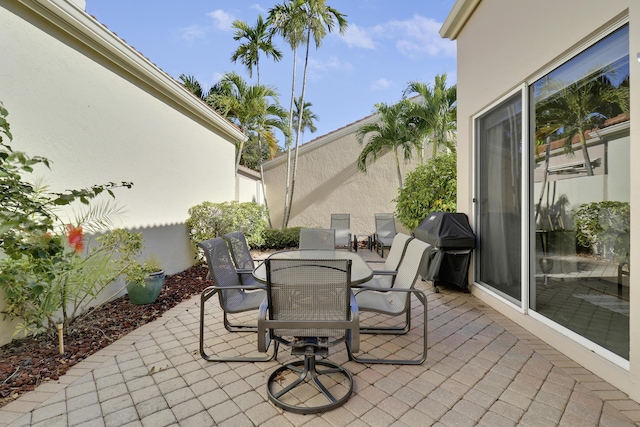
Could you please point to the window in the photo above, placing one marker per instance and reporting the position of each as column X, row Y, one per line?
column 581, row 173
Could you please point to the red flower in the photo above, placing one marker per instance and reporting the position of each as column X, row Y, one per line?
column 75, row 238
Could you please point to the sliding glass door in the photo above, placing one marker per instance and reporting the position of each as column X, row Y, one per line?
column 581, row 177
column 565, row 239
column 498, row 213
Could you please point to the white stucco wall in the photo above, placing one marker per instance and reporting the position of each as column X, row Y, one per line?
column 249, row 186
column 101, row 113
column 505, row 44
column 328, row 181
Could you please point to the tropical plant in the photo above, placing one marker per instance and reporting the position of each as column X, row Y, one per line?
column 209, row 220
column 193, row 86
column 605, row 226
column 430, row 187
column 258, row 39
column 394, row 131
column 436, row 112
column 254, row 108
column 46, row 270
column 285, row 19
column 570, row 109
column 308, row 19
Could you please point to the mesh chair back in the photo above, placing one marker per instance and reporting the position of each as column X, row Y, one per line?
column 317, row 238
column 385, row 227
column 223, row 273
column 239, row 250
column 342, row 224
column 313, row 291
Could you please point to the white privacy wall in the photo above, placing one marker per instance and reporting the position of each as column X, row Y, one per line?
column 101, row 112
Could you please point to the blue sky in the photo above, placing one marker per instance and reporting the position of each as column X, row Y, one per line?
column 387, row 44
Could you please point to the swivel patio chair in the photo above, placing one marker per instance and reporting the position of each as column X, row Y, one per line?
column 234, row 297
column 241, row 257
column 342, row 224
column 317, row 238
column 385, row 231
column 309, row 307
column 396, row 301
column 385, row 276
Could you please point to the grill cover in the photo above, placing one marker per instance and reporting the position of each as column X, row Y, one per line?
column 452, row 241
column 446, row 231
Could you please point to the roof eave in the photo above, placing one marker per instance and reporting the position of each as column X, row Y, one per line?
column 457, row 18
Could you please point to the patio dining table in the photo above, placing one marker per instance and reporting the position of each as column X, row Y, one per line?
column 360, row 270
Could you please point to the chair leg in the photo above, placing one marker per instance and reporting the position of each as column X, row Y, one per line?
column 308, row 368
column 423, row 299
column 204, row 297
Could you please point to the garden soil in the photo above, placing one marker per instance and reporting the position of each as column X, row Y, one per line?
column 27, row 363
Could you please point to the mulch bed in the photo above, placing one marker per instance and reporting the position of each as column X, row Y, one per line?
column 27, row 363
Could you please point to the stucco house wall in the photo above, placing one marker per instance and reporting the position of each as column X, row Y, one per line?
column 101, row 112
column 328, row 181
column 502, row 45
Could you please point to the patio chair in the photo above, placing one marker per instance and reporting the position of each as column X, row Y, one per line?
column 385, row 231
column 385, row 276
column 309, row 307
column 241, row 257
column 317, row 238
column 342, row 224
column 396, row 301
column 234, row 297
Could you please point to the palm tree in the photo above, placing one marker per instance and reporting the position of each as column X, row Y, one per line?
column 315, row 19
column 285, row 20
column 394, row 131
column 193, row 85
column 572, row 109
column 308, row 118
column 254, row 108
column 258, row 39
column 436, row 112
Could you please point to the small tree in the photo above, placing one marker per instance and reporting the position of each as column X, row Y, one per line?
column 428, row 188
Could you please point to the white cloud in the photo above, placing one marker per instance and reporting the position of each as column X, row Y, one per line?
column 415, row 37
column 221, row 19
column 259, row 8
column 193, row 32
column 333, row 63
column 358, row 37
column 381, row 84
column 420, row 36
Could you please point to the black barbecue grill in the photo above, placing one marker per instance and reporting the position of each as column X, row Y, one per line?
column 451, row 240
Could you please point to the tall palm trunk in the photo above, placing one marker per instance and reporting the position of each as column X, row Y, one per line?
column 299, row 127
column 287, row 189
column 585, row 152
column 395, row 152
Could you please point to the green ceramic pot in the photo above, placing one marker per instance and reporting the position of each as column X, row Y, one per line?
column 149, row 292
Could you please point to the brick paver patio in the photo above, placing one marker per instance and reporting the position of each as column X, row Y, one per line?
column 481, row 369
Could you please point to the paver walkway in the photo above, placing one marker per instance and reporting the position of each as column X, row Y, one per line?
column 481, row 369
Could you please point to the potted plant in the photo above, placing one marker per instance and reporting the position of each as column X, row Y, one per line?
column 144, row 280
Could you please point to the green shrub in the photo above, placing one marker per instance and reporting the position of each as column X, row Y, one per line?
column 430, row 187
column 281, row 239
column 604, row 225
column 209, row 220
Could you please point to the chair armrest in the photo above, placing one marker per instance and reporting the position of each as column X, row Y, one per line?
column 385, row 273
column 355, row 317
column 263, row 333
column 210, row 291
column 244, row 270
column 375, row 262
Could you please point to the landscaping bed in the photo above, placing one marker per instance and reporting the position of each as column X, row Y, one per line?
column 26, row 363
